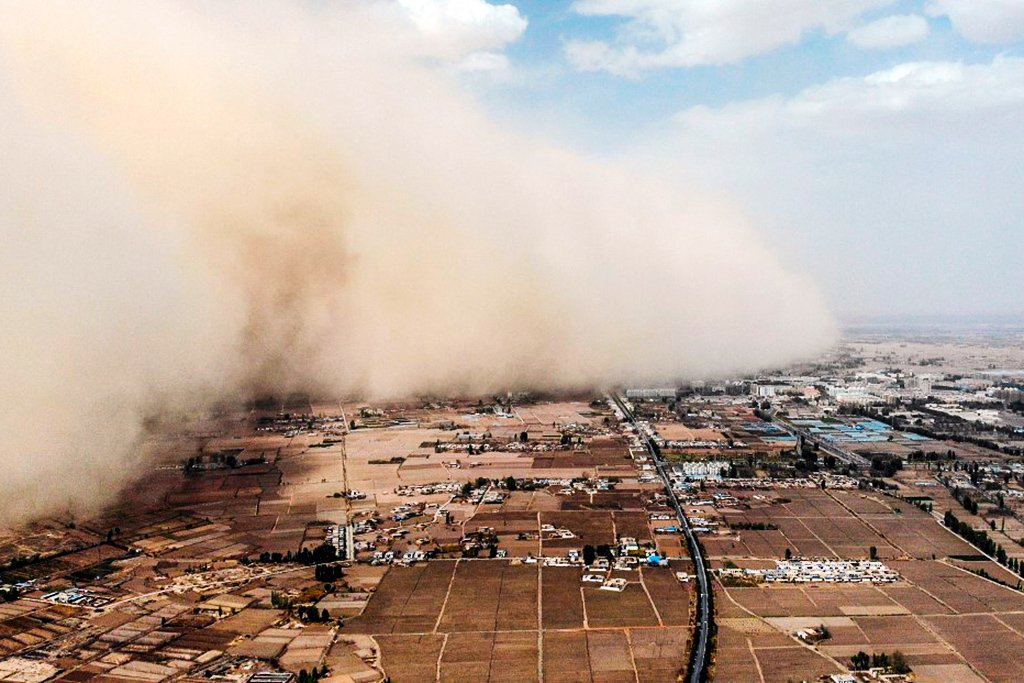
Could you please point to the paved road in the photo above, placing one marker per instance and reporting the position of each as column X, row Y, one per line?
column 840, row 453
column 701, row 653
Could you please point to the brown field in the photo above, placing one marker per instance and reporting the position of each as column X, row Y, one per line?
column 452, row 620
column 671, row 545
column 995, row 570
column 486, row 627
column 659, row 654
column 502, row 620
column 670, row 597
column 750, row 650
column 505, row 521
column 603, row 456
column 842, row 524
column 632, row 523
column 939, row 616
column 986, row 642
column 531, row 500
column 592, row 527
column 778, row 664
column 609, row 655
column 411, row 658
column 491, row 596
column 619, row 499
column 408, row 600
column 959, row 590
column 734, row 658
column 893, row 630
column 248, row 622
column 915, row 600
column 777, row 601
column 562, row 600
column 493, row 657
column 674, row 431
column 566, row 657
column 631, row 607
column 614, row 656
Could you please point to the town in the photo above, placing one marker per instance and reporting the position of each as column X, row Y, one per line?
column 858, row 518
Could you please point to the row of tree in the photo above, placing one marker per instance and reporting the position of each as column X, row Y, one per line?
column 304, row 612
column 313, row 676
column 754, row 526
column 324, row 552
column 896, row 662
column 328, row 572
column 979, row 539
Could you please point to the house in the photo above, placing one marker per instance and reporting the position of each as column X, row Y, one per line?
column 225, row 604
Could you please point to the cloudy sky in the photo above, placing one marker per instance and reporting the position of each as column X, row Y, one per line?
column 879, row 144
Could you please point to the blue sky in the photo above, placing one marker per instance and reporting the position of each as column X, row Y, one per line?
column 549, row 79
column 877, row 144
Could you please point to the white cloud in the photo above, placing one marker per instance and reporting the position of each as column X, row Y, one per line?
column 914, row 92
column 677, row 33
column 899, row 190
column 455, row 29
column 983, row 21
column 890, row 32
column 484, row 61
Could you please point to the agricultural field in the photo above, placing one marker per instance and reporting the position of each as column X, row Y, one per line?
column 950, row 622
column 495, row 620
column 465, row 526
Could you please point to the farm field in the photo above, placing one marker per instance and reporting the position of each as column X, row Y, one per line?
column 494, row 620
column 836, row 524
column 949, row 622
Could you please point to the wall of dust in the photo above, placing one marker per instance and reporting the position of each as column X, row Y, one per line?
column 200, row 201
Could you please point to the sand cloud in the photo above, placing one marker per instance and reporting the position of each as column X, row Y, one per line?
column 201, row 202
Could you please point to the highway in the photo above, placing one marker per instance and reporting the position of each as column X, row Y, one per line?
column 701, row 654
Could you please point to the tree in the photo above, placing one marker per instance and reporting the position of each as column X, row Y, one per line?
column 324, row 552
column 860, row 661
column 510, row 483
column 898, row 663
column 873, row 553
column 589, row 554
column 789, row 554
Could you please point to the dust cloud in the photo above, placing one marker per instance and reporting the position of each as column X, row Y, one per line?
column 202, row 201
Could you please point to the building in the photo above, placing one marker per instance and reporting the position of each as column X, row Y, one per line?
column 651, row 393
